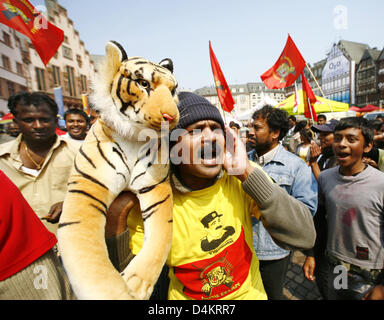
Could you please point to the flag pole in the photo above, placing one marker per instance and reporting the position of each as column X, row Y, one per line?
column 321, row 90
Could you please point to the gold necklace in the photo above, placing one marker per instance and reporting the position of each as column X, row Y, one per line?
column 37, row 165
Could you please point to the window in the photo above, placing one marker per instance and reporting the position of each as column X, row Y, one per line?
column 71, row 81
column 67, row 52
column 6, row 62
column 19, row 68
column 56, row 75
column 11, row 88
column 83, row 82
column 40, row 78
column 79, row 61
column 7, row 39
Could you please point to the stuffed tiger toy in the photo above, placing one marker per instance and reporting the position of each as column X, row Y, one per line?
column 130, row 95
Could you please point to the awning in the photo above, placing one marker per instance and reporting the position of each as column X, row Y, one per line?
column 321, row 106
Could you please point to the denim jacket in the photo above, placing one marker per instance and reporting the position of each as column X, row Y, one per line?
column 291, row 173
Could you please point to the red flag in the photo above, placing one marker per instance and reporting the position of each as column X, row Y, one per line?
column 309, row 100
column 23, row 17
column 286, row 69
column 223, row 92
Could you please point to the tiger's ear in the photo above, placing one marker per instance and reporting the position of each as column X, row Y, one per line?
column 167, row 63
column 115, row 55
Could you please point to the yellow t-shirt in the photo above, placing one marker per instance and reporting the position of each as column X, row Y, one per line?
column 212, row 255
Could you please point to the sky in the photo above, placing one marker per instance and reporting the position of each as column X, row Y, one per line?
column 247, row 36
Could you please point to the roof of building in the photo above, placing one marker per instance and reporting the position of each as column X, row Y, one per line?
column 372, row 54
column 354, row 50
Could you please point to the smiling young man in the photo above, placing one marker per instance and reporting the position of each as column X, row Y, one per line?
column 76, row 122
column 216, row 190
column 38, row 162
column 353, row 195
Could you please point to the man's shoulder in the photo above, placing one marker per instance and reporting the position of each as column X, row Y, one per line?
column 328, row 174
column 6, row 147
column 289, row 158
column 329, row 171
column 68, row 144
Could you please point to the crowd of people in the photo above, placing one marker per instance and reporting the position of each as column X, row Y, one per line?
column 288, row 185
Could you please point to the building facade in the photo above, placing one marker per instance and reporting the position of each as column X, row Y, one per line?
column 380, row 79
column 339, row 73
column 247, row 96
column 366, row 79
column 70, row 69
column 12, row 68
column 69, row 72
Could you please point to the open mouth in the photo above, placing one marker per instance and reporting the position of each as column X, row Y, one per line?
column 342, row 156
column 210, row 155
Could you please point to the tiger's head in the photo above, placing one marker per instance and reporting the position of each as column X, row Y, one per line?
column 131, row 92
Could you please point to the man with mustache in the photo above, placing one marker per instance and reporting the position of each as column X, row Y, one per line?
column 38, row 161
column 225, row 182
column 269, row 126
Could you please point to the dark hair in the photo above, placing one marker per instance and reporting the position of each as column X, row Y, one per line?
column 306, row 133
column 277, row 119
column 76, row 111
column 293, row 118
column 322, row 116
column 375, row 124
column 300, row 125
column 234, row 124
column 358, row 123
column 35, row 98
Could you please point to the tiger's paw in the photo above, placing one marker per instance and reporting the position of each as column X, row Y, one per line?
column 138, row 288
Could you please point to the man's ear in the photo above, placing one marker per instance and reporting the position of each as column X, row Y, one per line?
column 276, row 134
column 368, row 147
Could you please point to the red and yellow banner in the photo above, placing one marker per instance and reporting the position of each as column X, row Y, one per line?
column 286, row 69
column 22, row 16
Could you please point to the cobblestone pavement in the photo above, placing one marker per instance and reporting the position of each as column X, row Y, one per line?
column 297, row 287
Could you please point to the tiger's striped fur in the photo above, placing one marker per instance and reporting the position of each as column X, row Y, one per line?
column 132, row 94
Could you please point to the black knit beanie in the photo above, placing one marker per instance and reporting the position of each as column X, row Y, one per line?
column 194, row 108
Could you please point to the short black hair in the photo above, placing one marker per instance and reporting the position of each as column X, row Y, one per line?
column 375, row 124
column 358, row 123
column 76, row 111
column 292, row 117
column 322, row 116
column 300, row 125
column 306, row 133
column 277, row 119
column 35, row 98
